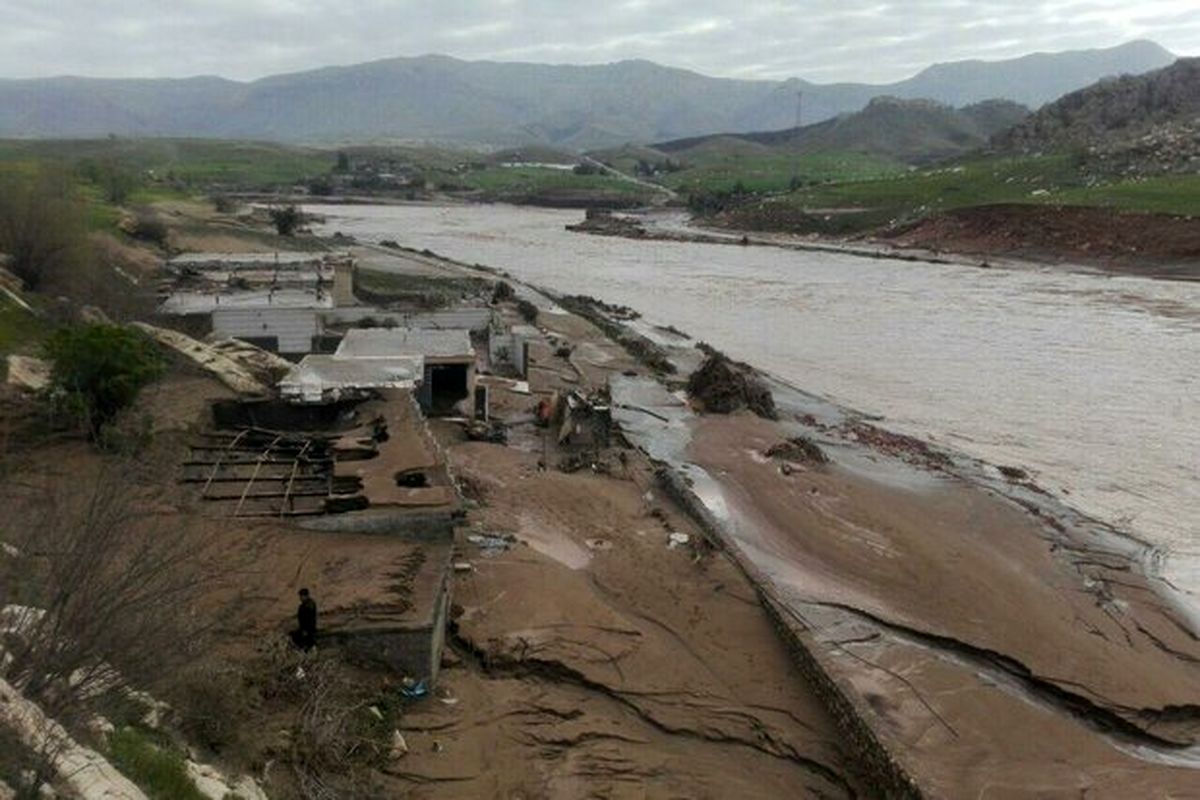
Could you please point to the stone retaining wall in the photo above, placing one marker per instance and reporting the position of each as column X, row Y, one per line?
column 876, row 763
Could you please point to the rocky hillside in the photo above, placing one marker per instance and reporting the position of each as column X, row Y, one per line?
column 912, row 131
column 1133, row 124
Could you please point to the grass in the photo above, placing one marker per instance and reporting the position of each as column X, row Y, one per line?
column 158, row 770
column 772, row 171
column 1168, row 194
column 20, row 331
column 187, row 161
column 1045, row 180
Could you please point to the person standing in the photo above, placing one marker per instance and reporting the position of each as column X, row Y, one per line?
column 306, row 619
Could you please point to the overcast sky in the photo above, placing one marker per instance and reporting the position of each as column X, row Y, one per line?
column 822, row 40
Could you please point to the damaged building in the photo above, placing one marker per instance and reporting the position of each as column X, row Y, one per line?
column 438, row 365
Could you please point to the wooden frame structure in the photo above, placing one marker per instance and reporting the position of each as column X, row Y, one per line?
column 262, row 473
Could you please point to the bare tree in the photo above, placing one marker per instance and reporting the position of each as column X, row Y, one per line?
column 109, row 593
column 43, row 227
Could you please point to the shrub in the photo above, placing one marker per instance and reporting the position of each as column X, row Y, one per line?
column 286, row 219
column 115, row 180
column 149, row 227
column 99, row 369
column 224, row 204
column 528, row 311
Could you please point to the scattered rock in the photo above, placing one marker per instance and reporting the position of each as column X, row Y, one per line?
column 677, row 540
column 399, row 748
column 28, row 373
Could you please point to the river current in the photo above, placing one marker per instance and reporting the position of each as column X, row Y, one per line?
column 1089, row 382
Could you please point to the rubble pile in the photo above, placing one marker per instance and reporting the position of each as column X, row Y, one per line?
column 722, row 386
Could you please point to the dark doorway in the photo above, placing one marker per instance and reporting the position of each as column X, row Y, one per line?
column 447, row 386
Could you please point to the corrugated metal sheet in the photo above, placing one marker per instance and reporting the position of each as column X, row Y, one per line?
column 293, row 327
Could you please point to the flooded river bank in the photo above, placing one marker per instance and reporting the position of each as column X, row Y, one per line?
column 1091, row 383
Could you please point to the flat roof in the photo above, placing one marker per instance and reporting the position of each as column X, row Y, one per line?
column 319, row 378
column 204, row 302
column 372, row 343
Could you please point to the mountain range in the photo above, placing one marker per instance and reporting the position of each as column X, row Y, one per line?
column 438, row 98
column 911, row 131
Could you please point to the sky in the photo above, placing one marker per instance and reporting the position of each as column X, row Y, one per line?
column 819, row 40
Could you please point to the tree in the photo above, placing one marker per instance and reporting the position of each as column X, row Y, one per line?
column 286, row 219
column 343, row 162
column 43, row 227
column 115, row 180
column 99, row 369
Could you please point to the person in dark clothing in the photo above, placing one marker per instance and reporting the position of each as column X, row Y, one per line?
column 305, row 636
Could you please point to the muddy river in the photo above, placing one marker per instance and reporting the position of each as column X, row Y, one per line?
column 1090, row 383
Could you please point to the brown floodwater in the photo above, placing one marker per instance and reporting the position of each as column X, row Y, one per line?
column 1089, row 382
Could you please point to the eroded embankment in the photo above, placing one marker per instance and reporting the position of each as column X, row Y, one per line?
column 970, row 633
column 1149, row 245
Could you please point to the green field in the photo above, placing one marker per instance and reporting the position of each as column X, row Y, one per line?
column 182, row 161
column 774, row 171
column 852, row 206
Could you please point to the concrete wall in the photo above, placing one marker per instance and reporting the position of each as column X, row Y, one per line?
column 294, row 328
column 415, row 652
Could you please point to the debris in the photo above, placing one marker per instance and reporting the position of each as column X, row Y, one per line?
column 798, row 449
column 722, row 386
column 399, row 747
column 414, row 691
column 227, row 369
column 599, row 544
column 463, row 566
column 480, row 431
column 375, row 712
column 583, row 419
column 895, row 444
column 677, row 539
column 492, row 544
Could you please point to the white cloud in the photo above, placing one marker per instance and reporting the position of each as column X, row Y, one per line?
column 826, row 40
